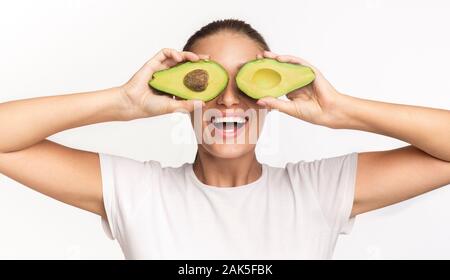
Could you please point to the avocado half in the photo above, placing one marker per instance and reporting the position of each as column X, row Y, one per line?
column 203, row 80
column 269, row 77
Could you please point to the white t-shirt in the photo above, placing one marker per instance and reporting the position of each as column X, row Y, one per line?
column 296, row 212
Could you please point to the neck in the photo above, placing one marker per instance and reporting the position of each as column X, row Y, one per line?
column 226, row 172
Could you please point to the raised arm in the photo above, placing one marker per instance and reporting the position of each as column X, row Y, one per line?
column 383, row 177
column 69, row 175
column 387, row 177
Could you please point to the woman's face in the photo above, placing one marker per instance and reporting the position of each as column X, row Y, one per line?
column 230, row 124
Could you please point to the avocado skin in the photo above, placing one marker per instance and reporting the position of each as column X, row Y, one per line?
column 171, row 80
column 299, row 75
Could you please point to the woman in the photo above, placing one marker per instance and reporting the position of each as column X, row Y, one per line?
column 226, row 204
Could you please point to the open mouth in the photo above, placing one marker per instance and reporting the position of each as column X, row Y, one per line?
column 229, row 126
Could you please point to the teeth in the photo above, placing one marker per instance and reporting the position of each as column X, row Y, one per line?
column 228, row 120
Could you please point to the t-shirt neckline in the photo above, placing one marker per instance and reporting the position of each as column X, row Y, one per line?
column 194, row 178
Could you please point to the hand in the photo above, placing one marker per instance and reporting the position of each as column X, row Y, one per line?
column 142, row 101
column 314, row 103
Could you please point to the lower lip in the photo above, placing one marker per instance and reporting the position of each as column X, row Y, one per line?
column 229, row 133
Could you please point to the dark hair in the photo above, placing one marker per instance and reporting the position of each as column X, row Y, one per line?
column 233, row 25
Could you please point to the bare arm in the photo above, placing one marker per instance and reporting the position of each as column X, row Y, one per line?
column 69, row 175
column 388, row 177
column 383, row 177
column 24, row 123
column 425, row 128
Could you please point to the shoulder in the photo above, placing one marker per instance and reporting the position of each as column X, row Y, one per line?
column 126, row 164
column 130, row 185
column 331, row 182
column 322, row 168
column 129, row 174
column 316, row 175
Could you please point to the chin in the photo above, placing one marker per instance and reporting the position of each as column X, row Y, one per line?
column 229, row 151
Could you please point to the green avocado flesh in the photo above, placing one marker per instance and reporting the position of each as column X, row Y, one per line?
column 202, row 80
column 269, row 77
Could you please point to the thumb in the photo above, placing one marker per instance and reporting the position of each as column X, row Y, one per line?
column 186, row 106
column 275, row 103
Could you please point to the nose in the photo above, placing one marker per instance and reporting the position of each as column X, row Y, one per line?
column 230, row 96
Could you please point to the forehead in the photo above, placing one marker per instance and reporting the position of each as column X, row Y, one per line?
column 231, row 50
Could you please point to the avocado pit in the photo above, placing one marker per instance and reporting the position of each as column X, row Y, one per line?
column 196, row 80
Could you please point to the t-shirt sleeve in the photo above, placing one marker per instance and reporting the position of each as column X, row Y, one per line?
column 332, row 181
column 125, row 182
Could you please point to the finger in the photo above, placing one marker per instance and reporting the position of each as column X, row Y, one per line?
column 204, row 56
column 300, row 60
column 304, row 62
column 259, row 56
column 167, row 64
column 156, row 63
column 159, row 56
column 284, row 106
column 174, row 54
column 269, row 54
column 297, row 60
column 302, row 94
column 172, row 57
column 164, row 54
column 189, row 56
column 289, row 59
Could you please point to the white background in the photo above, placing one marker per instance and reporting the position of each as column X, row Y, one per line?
column 395, row 51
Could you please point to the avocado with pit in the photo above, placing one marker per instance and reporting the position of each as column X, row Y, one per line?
column 203, row 80
column 269, row 77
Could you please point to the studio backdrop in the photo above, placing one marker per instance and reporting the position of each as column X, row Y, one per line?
column 394, row 51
